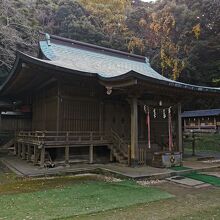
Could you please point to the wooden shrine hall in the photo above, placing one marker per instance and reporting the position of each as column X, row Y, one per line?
column 94, row 104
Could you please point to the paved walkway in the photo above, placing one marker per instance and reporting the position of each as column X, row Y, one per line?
column 23, row 168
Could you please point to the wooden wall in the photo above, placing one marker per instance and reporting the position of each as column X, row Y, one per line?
column 44, row 109
column 82, row 105
column 79, row 115
column 11, row 124
column 117, row 117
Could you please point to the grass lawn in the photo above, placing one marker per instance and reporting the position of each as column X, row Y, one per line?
column 76, row 199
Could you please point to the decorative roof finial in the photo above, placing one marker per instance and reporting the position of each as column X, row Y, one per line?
column 47, row 36
column 147, row 61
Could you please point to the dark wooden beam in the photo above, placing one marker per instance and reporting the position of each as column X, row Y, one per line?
column 134, row 130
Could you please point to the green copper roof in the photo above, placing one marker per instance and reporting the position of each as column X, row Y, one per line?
column 95, row 62
column 106, row 63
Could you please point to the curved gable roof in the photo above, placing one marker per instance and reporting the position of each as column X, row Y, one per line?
column 106, row 63
column 76, row 57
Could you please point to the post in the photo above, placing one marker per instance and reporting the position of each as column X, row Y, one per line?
column 35, row 155
column 91, row 153
column 134, row 131
column 19, row 149
column 215, row 124
column 199, row 123
column 0, row 121
column 111, row 155
column 101, row 106
column 42, row 157
column 129, row 155
column 23, row 153
column 28, row 152
column 58, row 108
column 67, row 155
column 193, row 143
column 15, row 148
column 180, row 134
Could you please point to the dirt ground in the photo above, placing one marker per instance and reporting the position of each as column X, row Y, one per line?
column 189, row 203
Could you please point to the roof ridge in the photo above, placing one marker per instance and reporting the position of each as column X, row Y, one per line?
column 67, row 40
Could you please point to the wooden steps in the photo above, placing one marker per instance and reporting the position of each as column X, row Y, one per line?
column 9, row 144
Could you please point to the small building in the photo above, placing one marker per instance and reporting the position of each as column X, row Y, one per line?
column 94, row 104
column 201, row 120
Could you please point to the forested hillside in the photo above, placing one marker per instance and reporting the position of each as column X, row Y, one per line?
column 181, row 37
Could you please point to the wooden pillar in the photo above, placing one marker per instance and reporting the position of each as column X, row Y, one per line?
column 35, row 155
column 199, row 123
column 23, row 153
column 134, row 131
column 19, row 149
column 67, row 155
column 184, row 121
column 111, row 153
column 215, row 124
column 28, row 152
column 0, row 121
column 180, row 135
column 58, row 108
column 91, row 153
column 101, row 121
column 15, row 148
column 42, row 157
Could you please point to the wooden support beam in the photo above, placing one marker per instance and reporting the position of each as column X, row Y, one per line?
column 101, row 114
column 28, row 152
column 15, row 148
column 23, row 152
column 215, row 123
column 180, row 133
column 67, row 155
column 35, row 155
column 19, row 149
column 134, row 131
column 199, row 123
column 91, row 153
column 42, row 157
column 111, row 154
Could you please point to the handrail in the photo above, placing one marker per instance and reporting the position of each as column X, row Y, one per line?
column 120, row 143
column 64, row 136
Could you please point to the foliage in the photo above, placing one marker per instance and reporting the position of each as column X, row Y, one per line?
column 204, row 142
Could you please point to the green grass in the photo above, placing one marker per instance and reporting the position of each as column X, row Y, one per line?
column 180, row 168
column 77, row 199
column 204, row 178
column 204, row 142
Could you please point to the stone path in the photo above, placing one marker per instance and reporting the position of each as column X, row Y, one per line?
column 187, row 181
column 23, row 168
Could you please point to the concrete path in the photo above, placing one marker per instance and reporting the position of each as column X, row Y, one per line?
column 23, row 168
column 187, row 181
